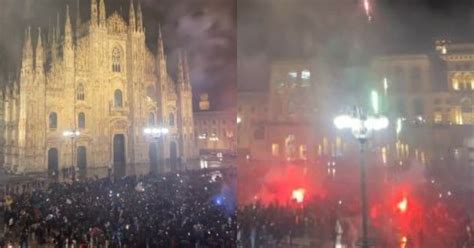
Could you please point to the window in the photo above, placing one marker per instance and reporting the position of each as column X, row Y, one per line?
column 438, row 117
column 415, row 78
column 398, row 77
column 418, row 107
column 292, row 77
column 118, row 103
column 116, row 60
column 151, row 119
column 259, row 133
column 303, row 152
column 53, row 120
column 275, row 150
column 80, row 93
column 81, row 119
column 469, row 85
column 401, row 108
column 305, row 75
column 171, row 119
column 455, row 83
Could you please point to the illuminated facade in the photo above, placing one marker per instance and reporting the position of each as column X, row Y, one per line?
column 215, row 131
column 285, row 123
column 431, row 97
column 101, row 79
column 434, row 95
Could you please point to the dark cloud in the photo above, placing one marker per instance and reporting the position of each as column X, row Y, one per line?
column 206, row 29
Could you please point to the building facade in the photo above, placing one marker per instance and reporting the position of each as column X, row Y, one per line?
column 430, row 96
column 284, row 123
column 100, row 79
column 433, row 95
column 215, row 130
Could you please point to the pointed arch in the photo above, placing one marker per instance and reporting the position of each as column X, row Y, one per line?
column 116, row 59
column 118, row 98
column 171, row 119
column 80, row 96
column 53, row 120
column 81, row 119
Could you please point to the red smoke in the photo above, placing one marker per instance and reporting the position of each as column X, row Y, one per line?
column 278, row 183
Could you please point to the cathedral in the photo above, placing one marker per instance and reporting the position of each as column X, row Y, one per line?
column 95, row 98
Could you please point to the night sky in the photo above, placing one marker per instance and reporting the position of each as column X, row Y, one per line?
column 337, row 31
column 205, row 28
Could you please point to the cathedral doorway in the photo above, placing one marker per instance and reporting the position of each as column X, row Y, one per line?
column 119, row 156
column 53, row 168
column 173, row 156
column 82, row 162
column 153, row 157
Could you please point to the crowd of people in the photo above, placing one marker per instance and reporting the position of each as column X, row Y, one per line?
column 428, row 222
column 188, row 209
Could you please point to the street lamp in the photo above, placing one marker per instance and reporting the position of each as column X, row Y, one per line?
column 362, row 128
column 73, row 134
column 155, row 132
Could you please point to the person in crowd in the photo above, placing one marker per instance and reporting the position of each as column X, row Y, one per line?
column 169, row 210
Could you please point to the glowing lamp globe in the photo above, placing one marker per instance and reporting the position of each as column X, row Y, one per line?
column 343, row 122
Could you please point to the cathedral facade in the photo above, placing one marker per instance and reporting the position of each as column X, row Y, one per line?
column 86, row 98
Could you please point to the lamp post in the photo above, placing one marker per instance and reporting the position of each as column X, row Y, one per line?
column 362, row 128
column 73, row 134
column 156, row 133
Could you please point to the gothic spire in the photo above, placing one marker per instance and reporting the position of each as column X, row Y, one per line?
column 102, row 13
column 58, row 29
column 67, row 30
column 161, row 49
column 27, row 46
column 78, row 15
column 27, row 60
column 50, row 31
column 39, row 54
column 186, row 69
column 139, row 18
column 54, row 48
column 131, row 18
column 93, row 12
column 180, row 76
column 160, row 56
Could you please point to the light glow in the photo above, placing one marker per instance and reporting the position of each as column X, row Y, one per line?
column 305, row 74
column 375, row 101
column 154, row 130
column 343, row 122
column 293, row 74
column 399, row 126
column 367, row 9
column 402, row 205
column 298, row 195
column 71, row 133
